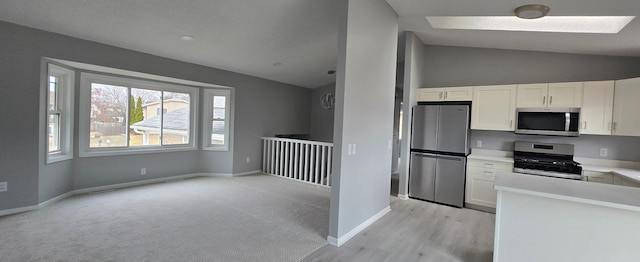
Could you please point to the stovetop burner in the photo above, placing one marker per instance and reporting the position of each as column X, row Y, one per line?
column 555, row 160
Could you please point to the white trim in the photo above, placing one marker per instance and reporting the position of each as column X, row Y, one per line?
column 66, row 96
column 17, row 210
column 208, row 118
column 343, row 239
column 55, row 199
column 247, row 173
column 132, row 184
column 216, row 174
column 403, row 197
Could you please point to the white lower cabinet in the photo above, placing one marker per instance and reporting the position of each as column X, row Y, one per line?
column 622, row 181
column 481, row 175
column 598, row 177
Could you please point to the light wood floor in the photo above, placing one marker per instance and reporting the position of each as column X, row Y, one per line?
column 419, row 231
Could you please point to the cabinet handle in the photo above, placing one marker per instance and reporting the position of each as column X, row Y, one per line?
column 584, row 124
column 544, row 99
column 550, row 100
column 446, row 94
column 441, row 94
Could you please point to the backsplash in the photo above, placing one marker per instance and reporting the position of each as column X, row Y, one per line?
column 626, row 148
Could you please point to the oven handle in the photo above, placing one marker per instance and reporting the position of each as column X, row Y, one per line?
column 567, row 121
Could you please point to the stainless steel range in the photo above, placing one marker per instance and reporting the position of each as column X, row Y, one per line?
column 546, row 159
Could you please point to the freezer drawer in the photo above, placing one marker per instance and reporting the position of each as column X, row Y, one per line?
column 422, row 176
column 450, row 180
column 437, row 178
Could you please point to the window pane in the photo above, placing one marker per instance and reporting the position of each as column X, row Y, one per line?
column 108, row 127
column 54, row 133
column 217, row 132
column 175, row 118
column 53, row 92
column 144, row 119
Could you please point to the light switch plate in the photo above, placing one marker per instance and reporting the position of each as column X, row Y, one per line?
column 479, row 143
column 603, row 152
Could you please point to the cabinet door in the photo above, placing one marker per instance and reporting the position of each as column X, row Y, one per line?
column 565, row 95
column 480, row 189
column 622, row 181
column 464, row 93
column 598, row 177
column 431, row 94
column 597, row 108
column 493, row 107
column 532, row 95
column 626, row 108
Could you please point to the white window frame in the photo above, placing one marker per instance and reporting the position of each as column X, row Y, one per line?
column 65, row 102
column 207, row 128
column 87, row 78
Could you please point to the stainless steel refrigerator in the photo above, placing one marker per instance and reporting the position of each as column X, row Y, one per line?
column 439, row 146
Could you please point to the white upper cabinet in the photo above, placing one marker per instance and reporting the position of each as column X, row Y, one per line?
column 626, row 108
column 464, row 93
column 597, row 108
column 550, row 95
column 532, row 95
column 493, row 107
column 565, row 95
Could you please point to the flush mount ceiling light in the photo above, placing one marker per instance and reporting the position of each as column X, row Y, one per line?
column 559, row 24
column 532, row 11
column 187, row 38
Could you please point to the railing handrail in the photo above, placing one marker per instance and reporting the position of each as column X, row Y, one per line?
column 310, row 142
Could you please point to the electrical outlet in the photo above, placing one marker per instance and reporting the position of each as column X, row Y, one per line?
column 3, row 186
column 479, row 143
column 143, row 171
column 349, row 149
column 354, row 149
column 603, row 152
column 248, row 160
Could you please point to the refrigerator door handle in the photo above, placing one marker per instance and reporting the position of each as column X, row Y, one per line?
column 424, row 154
column 451, row 158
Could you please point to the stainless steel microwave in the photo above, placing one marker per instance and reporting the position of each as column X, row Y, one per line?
column 548, row 121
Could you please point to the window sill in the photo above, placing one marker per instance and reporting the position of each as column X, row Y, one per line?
column 58, row 158
column 116, row 152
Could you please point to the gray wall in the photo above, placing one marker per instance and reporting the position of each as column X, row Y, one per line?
column 262, row 108
column 321, row 118
column 414, row 64
column 462, row 66
column 618, row 147
column 365, row 87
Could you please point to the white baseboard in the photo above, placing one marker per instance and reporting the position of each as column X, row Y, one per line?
column 55, row 199
column 17, row 210
column 403, row 197
column 247, row 173
column 343, row 239
column 131, row 184
column 216, row 174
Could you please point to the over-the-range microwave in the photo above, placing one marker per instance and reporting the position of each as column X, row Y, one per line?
column 548, row 121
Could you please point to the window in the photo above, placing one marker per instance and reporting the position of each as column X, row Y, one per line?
column 59, row 120
column 218, row 120
column 120, row 115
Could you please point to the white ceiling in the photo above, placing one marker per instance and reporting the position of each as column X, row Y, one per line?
column 249, row 36
column 626, row 43
column 246, row 36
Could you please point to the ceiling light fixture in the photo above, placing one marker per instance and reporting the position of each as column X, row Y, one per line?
column 187, row 38
column 277, row 64
column 532, row 11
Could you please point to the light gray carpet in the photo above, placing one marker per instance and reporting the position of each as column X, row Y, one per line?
column 252, row 218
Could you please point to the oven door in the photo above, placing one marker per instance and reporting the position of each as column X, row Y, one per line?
column 548, row 121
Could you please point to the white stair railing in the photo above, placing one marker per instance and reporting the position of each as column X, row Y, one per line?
column 302, row 160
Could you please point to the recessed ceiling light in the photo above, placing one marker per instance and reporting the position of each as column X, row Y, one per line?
column 532, row 11
column 561, row 24
column 187, row 38
column 277, row 64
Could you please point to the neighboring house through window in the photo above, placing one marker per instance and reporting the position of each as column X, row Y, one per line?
column 59, row 102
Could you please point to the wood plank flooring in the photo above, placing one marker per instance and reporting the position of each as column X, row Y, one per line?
column 419, row 231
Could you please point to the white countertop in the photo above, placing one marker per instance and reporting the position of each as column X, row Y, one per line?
column 613, row 196
column 491, row 155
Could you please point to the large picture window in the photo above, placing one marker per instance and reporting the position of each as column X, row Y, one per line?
column 120, row 115
column 217, row 129
column 59, row 120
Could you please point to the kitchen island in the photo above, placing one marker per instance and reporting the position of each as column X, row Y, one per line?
column 551, row 219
